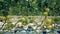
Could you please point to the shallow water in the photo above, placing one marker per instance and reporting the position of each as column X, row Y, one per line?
column 25, row 33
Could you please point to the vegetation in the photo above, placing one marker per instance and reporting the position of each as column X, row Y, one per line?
column 29, row 7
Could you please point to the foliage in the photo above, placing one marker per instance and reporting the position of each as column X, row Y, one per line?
column 29, row 8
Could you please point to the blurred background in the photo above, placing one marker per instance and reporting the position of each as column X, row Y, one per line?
column 29, row 7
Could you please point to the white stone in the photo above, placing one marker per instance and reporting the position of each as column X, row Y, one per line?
column 30, row 24
column 48, row 30
column 25, row 27
column 44, row 26
column 23, row 31
column 53, row 25
column 38, row 27
column 39, row 23
column 38, row 31
column 19, row 23
column 34, row 27
column 1, row 23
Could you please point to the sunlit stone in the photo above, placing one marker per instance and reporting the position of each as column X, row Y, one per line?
column 48, row 30
column 25, row 27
